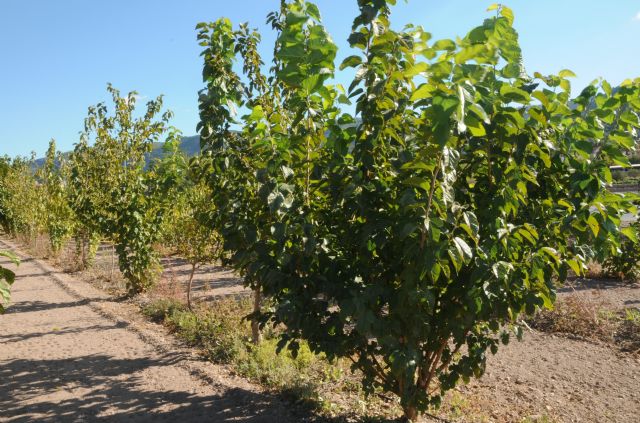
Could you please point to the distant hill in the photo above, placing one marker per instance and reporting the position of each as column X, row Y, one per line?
column 190, row 145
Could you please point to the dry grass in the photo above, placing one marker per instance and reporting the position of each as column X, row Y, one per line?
column 594, row 319
column 577, row 316
column 628, row 333
column 104, row 273
column 594, row 271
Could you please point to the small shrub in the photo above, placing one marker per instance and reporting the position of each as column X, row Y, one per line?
column 261, row 362
column 219, row 331
column 159, row 310
column 626, row 264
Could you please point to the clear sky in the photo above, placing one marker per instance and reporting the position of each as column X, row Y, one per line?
column 56, row 57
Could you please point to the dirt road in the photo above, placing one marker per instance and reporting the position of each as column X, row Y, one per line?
column 69, row 353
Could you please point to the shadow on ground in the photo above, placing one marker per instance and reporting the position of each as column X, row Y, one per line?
column 105, row 396
column 588, row 284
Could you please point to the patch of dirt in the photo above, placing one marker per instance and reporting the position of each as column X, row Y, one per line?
column 618, row 295
column 562, row 380
column 70, row 353
column 544, row 378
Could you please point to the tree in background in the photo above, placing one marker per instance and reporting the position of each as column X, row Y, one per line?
column 186, row 226
column 5, row 168
column 58, row 217
column 7, row 278
column 111, row 189
column 22, row 207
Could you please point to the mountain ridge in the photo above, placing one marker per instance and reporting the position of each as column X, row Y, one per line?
column 189, row 145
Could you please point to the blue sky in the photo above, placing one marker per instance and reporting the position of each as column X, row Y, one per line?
column 57, row 56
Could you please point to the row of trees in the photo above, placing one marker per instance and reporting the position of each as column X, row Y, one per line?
column 404, row 222
column 104, row 191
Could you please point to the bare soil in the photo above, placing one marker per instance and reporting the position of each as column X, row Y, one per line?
column 70, row 352
column 548, row 377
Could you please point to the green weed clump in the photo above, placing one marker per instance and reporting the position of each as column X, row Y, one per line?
column 219, row 332
column 223, row 335
column 626, row 264
column 296, row 377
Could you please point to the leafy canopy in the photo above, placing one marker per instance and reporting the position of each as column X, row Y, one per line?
column 410, row 234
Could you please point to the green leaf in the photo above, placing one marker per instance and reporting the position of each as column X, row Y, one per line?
column 418, row 182
column 447, row 45
column 566, row 73
column 630, row 233
column 351, row 62
column 422, row 92
column 594, row 225
column 517, row 95
column 471, row 52
column 463, row 248
column 311, row 84
column 575, row 266
column 507, row 13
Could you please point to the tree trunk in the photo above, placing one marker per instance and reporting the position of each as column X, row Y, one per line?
column 84, row 252
column 113, row 260
column 255, row 327
column 193, row 271
column 410, row 413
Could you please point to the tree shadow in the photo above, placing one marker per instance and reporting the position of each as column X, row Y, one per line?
column 35, row 306
column 34, row 275
column 107, row 389
column 13, row 338
column 583, row 284
column 208, row 281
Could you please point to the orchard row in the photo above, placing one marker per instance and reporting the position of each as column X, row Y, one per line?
column 405, row 221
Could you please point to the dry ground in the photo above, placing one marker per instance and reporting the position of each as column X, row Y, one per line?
column 68, row 351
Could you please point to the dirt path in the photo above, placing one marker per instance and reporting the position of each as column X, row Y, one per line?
column 69, row 353
column 561, row 379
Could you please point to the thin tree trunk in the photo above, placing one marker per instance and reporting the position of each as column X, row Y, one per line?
column 410, row 413
column 113, row 260
column 84, row 252
column 193, row 271
column 255, row 327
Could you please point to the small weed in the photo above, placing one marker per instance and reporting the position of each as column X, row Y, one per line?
column 628, row 333
column 159, row 310
column 308, row 379
column 594, row 270
column 457, row 405
column 632, row 315
column 219, row 331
